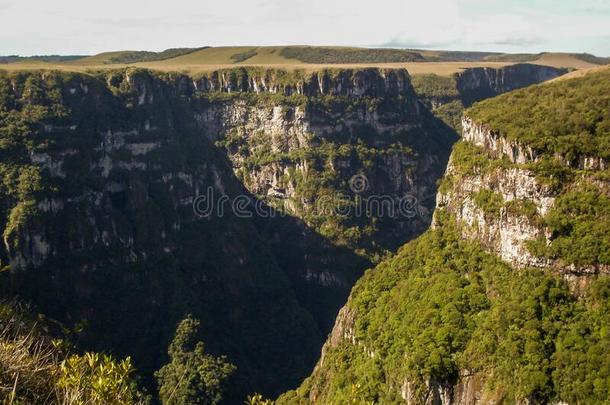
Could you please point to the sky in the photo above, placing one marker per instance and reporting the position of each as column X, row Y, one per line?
column 37, row 27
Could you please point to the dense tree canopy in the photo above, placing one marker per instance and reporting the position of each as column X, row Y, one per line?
column 443, row 307
column 566, row 117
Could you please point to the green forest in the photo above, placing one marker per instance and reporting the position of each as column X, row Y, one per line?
column 443, row 308
column 569, row 118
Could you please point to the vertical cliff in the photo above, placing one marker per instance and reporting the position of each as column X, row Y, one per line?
column 503, row 186
column 503, row 301
column 521, row 186
column 100, row 175
column 251, row 198
column 124, row 163
column 479, row 83
column 298, row 148
column 448, row 96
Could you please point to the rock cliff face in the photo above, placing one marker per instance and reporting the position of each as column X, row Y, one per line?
column 298, row 145
column 495, row 193
column 504, row 232
column 522, row 201
column 447, row 97
column 474, row 84
column 497, row 147
column 349, row 83
column 300, row 155
column 479, row 83
column 124, row 163
column 120, row 162
column 111, row 236
column 157, row 112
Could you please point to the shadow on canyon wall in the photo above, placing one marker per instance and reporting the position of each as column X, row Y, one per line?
column 118, row 256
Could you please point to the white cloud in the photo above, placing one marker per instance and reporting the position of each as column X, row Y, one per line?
column 76, row 26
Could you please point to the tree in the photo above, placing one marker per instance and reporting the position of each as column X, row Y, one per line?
column 192, row 376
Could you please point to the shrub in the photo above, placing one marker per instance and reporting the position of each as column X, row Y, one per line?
column 95, row 378
column 525, row 208
column 243, row 56
column 257, row 399
column 37, row 369
column 490, row 202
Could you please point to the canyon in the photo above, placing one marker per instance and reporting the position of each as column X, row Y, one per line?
column 490, row 264
column 119, row 159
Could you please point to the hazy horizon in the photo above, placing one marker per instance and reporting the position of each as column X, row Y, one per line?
column 281, row 45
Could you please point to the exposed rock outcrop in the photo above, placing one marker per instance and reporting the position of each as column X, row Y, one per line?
column 279, row 152
column 504, row 228
column 508, row 231
column 498, row 146
column 478, row 83
column 132, row 153
column 345, row 82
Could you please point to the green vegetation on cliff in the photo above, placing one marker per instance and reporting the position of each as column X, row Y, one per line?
column 441, row 95
column 20, row 120
column 443, row 311
column 469, row 160
column 490, row 202
column 580, row 227
column 567, row 124
column 579, row 220
column 570, row 118
column 96, row 174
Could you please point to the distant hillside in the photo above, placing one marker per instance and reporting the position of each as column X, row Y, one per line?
column 128, row 57
column 146, row 56
column 229, row 55
column 297, row 55
column 555, row 59
column 593, row 59
column 350, row 55
column 205, row 59
column 454, row 56
column 314, row 55
column 529, row 57
column 321, row 55
column 43, row 58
